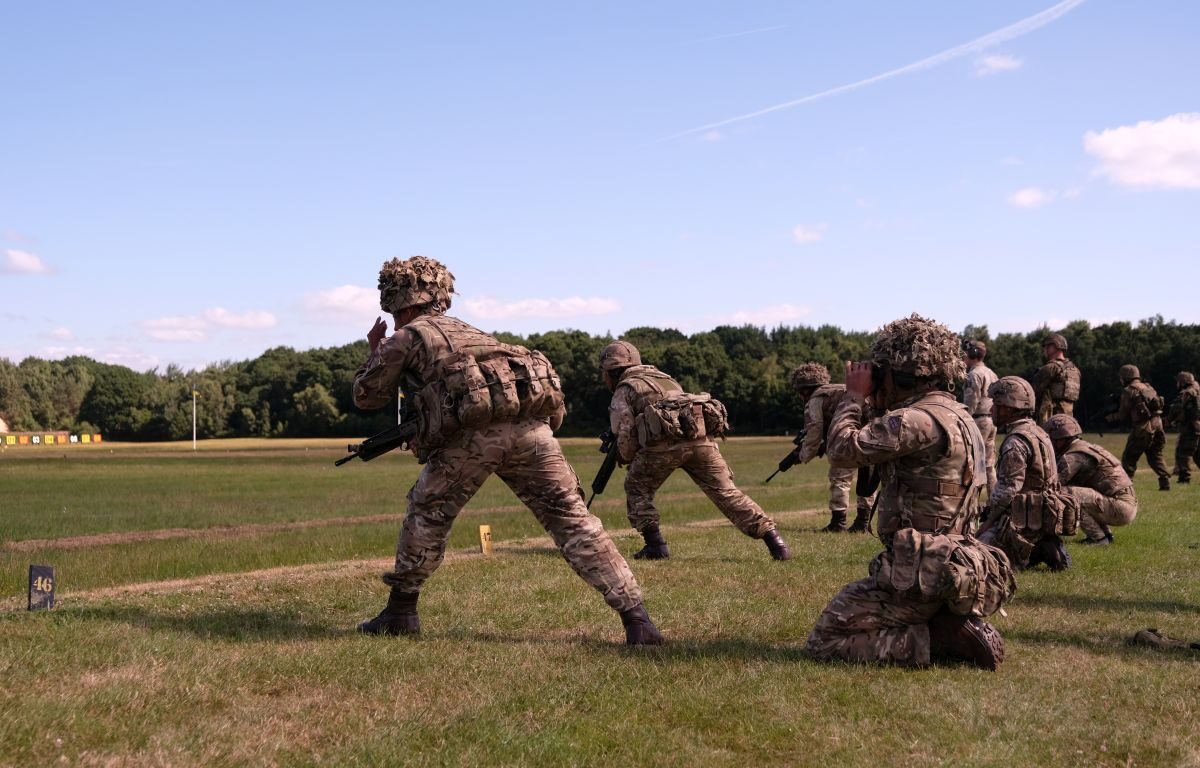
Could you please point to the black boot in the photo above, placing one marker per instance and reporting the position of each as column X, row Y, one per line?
column 862, row 522
column 1164, row 483
column 962, row 638
column 779, row 548
column 398, row 618
column 639, row 630
column 656, row 546
column 837, row 523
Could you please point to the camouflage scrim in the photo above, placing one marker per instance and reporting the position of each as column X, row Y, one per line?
column 809, row 375
column 417, row 281
column 921, row 347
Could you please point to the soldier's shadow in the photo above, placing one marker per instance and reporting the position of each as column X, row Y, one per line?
column 233, row 624
column 1102, row 603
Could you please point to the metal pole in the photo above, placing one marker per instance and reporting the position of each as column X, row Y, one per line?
column 193, row 419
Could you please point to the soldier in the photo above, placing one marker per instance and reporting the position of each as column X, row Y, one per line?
column 1185, row 411
column 660, row 428
column 482, row 407
column 975, row 396
column 811, row 382
column 1057, row 382
column 931, row 460
column 1142, row 408
column 1095, row 478
column 1027, row 510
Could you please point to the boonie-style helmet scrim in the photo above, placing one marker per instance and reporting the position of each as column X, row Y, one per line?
column 415, row 282
column 921, row 348
column 619, row 354
column 1057, row 340
column 1128, row 373
column 810, row 375
column 1014, row 392
column 1061, row 426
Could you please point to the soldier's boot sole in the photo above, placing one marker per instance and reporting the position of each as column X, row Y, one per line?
column 639, row 629
column 777, row 546
column 966, row 639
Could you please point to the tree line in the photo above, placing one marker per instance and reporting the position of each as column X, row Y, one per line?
column 285, row 392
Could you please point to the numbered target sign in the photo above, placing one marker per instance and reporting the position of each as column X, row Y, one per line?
column 41, row 587
column 485, row 539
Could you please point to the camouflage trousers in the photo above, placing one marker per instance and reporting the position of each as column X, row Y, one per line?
column 840, row 480
column 1097, row 512
column 988, row 429
column 706, row 466
column 1050, row 408
column 527, row 457
column 1150, row 442
column 1186, row 451
column 869, row 623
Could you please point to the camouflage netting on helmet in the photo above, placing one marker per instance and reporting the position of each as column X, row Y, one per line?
column 810, row 375
column 1061, row 426
column 415, row 282
column 923, row 348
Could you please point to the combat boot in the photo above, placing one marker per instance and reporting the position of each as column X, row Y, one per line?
column 837, row 522
column 1102, row 541
column 639, row 630
column 1164, row 483
column 862, row 522
column 398, row 618
column 965, row 638
column 656, row 546
column 779, row 548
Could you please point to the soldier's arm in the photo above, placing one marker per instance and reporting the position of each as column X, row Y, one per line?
column 376, row 381
column 971, row 393
column 1068, row 466
column 1125, row 412
column 814, row 430
column 1043, row 377
column 621, row 422
column 896, row 434
column 1010, row 476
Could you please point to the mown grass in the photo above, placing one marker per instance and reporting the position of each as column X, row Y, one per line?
column 520, row 663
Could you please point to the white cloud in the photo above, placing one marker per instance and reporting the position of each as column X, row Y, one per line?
column 1030, row 197
column 252, row 319
column 1163, row 154
column 22, row 262
column 803, row 235
column 345, row 300
column 62, row 334
column 488, row 308
column 192, row 328
column 990, row 65
column 770, row 316
column 713, row 136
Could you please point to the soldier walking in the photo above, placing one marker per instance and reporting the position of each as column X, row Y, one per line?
column 1056, row 382
column 1142, row 408
column 1185, row 411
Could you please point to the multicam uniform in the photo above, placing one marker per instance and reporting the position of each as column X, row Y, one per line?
column 1185, row 411
column 975, row 398
column 521, row 451
column 1100, row 486
column 818, row 415
column 652, row 459
column 930, row 454
column 1139, row 407
column 1057, row 386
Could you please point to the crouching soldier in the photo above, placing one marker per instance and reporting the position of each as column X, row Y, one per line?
column 1095, row 478
column 661, row 428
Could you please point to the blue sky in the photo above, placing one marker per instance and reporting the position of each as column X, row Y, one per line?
column 187, row 183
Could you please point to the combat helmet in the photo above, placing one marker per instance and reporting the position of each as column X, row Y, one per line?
column 921, row 348
column 1057, row 340
column 1128, row 373
column 414, row 282
column 1185, row 379
column 810, row 375
column 1014, row 392
column 619, row 354
column 1061, row 426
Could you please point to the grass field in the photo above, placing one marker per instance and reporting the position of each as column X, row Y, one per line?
column 207, row 602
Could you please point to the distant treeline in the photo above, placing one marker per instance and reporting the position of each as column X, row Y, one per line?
column 288, row 393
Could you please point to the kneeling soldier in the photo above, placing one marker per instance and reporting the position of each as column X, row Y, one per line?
column 1095, row 478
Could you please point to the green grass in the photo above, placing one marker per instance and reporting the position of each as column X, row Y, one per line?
column 520, row 663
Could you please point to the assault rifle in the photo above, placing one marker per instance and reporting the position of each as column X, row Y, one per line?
column 793, row 458
column 399, row 436
column 608, row 446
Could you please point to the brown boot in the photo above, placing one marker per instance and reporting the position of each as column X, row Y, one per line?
column 965, row 638
column 398, row 618
column 639, row 629
column 862, row 522
column 837, row 523
column 779, row 548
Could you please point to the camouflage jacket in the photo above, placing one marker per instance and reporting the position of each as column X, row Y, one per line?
column 1088, row 465
column 818, row 415
column 1025, row 463
column 1185, row 408
column 1057, row 380
column 1136, row 395
column 640, row 387
column 975, row 391
column 930, row 455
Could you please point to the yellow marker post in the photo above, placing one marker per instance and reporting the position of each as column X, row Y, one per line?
column 485, row 539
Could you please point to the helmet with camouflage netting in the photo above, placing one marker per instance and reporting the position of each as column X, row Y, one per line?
column 1061, row 426
column 810, row 375
column 415, row 282
column 619, row 354
column 921, row 348
column 1055, row 340
column 1128, row 373
column 1013, row 392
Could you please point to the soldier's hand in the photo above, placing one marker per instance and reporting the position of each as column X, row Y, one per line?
column 858, row 379
column 377, row 332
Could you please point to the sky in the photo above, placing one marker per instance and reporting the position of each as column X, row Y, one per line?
column 189, row 183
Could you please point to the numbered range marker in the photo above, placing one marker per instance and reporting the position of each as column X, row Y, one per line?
column 485, row 539
column 41, row 587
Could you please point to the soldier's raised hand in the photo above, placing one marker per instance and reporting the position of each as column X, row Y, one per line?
column 377, row 332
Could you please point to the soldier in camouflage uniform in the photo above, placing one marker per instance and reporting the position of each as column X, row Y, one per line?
column 1185, row 411
column 482, row 407
column 1056, row 382
column 641, row 395
column 1095, row 478
column 1028, row 509
column 1142, row 408
column 975, row 396
column 929, row 590
column 811, row 382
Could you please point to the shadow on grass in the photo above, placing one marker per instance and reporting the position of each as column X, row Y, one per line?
column 1111, row 645
column 233, row 623
column 1100, row 602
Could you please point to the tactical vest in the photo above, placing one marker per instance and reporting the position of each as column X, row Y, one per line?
column 1190, row 408
column 664, row 413
column 936, row 496
column 1103, row 473
column 1146, row 403
column 1041, row 504
column 831, row 397
column 1065, row 384
column 470, row 379
column 649, row 385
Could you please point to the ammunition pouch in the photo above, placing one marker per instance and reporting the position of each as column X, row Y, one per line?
column 973, row 578
column 681, row 416
column 1037, row 513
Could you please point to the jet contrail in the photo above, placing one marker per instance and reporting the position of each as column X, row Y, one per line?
column 728, row 35
column 1022, row 27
